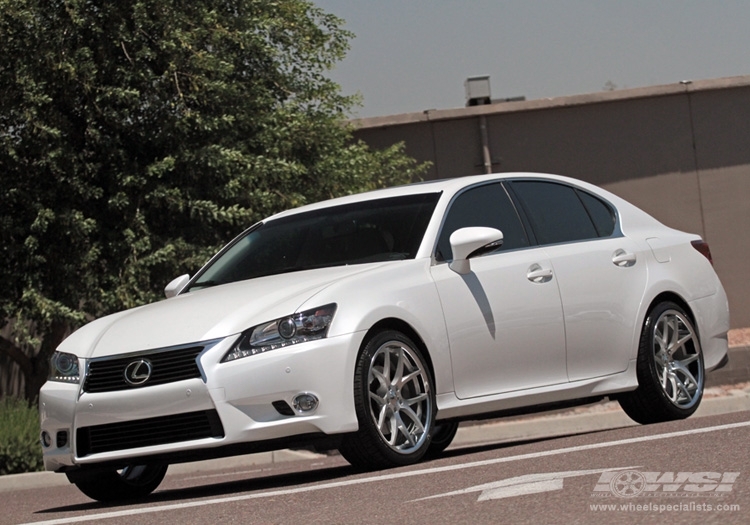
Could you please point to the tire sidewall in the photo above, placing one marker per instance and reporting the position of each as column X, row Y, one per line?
column 648, row 368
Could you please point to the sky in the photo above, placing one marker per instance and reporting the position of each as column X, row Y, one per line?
column 414, row 55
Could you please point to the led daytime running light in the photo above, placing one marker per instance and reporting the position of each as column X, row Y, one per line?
column 298, row 328
column 64, row 367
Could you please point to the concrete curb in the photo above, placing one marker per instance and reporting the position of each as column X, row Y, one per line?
column 736, row 371
column 599, row 416
column 35, row 480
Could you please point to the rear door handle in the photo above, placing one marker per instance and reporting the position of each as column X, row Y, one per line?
column 623, row 259
column 537, row 274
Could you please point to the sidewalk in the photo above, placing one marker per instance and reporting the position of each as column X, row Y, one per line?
column 727, row 390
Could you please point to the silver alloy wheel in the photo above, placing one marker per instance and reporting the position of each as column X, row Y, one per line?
column 677, row 356
column 400, row 398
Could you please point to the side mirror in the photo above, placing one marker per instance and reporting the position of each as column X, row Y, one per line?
column 176, row 286
column 471, row 242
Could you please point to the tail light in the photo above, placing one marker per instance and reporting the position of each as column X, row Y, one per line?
column 702, row 246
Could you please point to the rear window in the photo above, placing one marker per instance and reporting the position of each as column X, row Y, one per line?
column 560, row 213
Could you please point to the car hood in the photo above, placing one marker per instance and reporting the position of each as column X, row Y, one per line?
column 206, row 314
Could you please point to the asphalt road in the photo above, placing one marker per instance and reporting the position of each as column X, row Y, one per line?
column 697, row 470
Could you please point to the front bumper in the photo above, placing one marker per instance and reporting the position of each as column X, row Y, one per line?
column 232, row 403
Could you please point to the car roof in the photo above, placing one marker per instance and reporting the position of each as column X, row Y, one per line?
column 447, row 186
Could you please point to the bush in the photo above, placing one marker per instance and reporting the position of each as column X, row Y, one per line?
column 20, row 450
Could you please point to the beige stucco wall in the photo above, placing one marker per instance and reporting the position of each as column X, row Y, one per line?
column 681, row 152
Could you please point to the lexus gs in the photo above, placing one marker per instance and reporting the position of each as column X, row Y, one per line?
column 375, row 323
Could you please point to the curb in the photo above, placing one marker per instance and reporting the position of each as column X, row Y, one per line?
column 736, row 371
column 601, row 416
column 35, row 480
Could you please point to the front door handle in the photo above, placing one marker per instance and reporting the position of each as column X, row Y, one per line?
column 537, row 274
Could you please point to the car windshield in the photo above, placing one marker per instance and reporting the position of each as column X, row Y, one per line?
column 369, row 231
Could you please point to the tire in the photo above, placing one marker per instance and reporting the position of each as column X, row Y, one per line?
column 395, row 404
column 131, row 482
column 670, row 368
column 442, row 437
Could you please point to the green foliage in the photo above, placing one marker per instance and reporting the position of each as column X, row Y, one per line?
column 20, row 450
column 137, row 136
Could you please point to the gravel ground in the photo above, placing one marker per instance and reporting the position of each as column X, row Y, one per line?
column 739, row 337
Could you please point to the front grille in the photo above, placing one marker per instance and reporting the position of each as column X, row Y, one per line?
column 167, row 366
column 148, row 432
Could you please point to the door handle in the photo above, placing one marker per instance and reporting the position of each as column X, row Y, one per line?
column 623, row 259
column 537, row 274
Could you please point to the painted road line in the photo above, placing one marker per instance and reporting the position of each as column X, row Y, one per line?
column 387, row 477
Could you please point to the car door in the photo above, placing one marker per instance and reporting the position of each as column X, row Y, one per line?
column 504, row 318
column 600, row 273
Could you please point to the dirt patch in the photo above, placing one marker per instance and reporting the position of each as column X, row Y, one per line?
column 739, row 337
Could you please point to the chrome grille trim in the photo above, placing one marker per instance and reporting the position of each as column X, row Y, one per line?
column 168, row 365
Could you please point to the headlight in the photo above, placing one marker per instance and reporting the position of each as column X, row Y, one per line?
column 297, row 328
column 64, row 367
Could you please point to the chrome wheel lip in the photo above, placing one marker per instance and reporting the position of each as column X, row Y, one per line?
column 400, row 398
column 678, row 362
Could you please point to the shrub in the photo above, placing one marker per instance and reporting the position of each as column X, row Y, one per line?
column 20, row 450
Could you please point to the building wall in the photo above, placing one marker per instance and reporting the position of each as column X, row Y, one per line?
column 681, row 152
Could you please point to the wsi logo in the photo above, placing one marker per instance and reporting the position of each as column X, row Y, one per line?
column 633, row 483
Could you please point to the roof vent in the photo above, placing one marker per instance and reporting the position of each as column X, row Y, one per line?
column 477, row 90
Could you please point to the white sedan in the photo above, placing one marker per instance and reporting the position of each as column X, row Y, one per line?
column 374, row 323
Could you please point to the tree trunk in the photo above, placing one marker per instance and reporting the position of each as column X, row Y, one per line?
column 39, row 369
column 35, row 369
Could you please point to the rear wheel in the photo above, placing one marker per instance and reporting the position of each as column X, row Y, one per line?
column 395, row 404
column 669, row 368
column 131, row 482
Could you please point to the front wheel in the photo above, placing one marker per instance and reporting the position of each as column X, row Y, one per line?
column 669, row 368
column 395, row 404
column 131, row 482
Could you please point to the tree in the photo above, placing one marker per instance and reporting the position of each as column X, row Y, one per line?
column 137, row 136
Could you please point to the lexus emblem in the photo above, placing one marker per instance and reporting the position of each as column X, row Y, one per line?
column 138, row 372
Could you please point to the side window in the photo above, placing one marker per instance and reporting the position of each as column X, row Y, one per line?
column 555, row 211
column 600, row 212
column 487, row 205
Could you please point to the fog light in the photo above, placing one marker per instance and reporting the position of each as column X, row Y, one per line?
column 305, row 402
column 46, row 439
